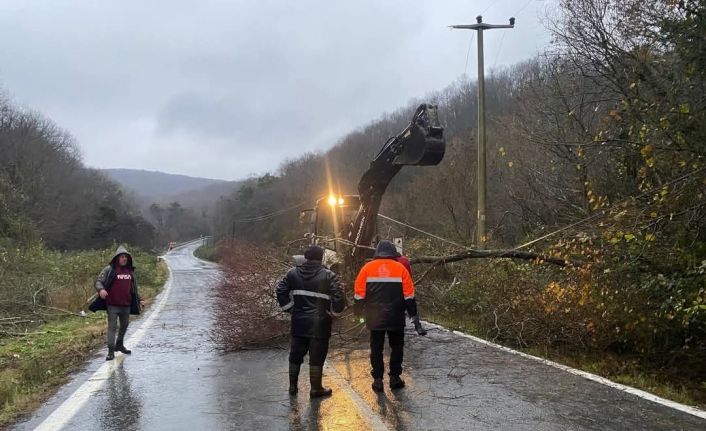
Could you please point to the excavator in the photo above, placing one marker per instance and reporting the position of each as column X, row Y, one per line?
column 346, row 225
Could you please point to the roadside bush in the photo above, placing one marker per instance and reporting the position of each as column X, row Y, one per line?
column 207, row 252
column 247, row 313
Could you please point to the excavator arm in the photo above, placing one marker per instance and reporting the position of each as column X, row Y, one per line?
column 421, row 143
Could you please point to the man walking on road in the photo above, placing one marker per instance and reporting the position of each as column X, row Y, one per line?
column 313, row 295
column 383, row 291
column 117, row 294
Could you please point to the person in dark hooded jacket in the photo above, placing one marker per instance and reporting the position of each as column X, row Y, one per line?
column 383, row 292
column 118, row 295
column 313, row 295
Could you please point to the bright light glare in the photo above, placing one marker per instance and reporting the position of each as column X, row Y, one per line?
column 341, row 201
column 332, row 200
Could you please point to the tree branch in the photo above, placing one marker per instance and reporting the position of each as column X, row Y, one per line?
column 494, row 254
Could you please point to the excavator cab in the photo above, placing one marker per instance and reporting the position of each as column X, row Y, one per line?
column 329, row 222
column 330, row 219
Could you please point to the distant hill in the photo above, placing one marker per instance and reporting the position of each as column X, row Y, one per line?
column 153, row 186
column 206, row 196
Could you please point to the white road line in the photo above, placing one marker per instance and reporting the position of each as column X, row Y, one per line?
column 63, row 414
column 368, row 414
column 602, row 380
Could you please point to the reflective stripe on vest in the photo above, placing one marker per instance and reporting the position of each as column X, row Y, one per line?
column 310, row 293
column 384, row 279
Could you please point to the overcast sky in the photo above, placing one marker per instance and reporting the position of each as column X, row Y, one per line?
column 224, row 89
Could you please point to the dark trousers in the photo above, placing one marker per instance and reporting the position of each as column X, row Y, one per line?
column 377, row 344
column 316, row 347
column 114, row 314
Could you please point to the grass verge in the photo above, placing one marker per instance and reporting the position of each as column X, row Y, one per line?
column 35, row 364
column 207, row 252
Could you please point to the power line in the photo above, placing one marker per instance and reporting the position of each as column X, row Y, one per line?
column 401, row 223
column 523, row 7
column 492, row 3
column 604, row 211
column 550, row 234
column 270, row 215
column 468, row 53
column 500, row 48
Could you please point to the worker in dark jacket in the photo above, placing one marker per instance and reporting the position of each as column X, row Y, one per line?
column 313, row 295
column 117, row 294
column 383, row 291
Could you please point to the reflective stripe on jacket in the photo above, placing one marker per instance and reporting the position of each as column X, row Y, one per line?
column 383, row 290
column 312, row 293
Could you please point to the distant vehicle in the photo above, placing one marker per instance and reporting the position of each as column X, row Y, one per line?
column 171, row 245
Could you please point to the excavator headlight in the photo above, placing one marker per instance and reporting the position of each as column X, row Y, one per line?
column 332, row 200
column 341, row 201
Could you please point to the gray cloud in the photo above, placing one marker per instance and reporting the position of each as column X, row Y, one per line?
column 227, row 88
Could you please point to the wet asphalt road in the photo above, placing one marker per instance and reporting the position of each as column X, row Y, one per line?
column 176, row 380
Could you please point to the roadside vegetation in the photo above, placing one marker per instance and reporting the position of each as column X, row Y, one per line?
column 60, row 224
column 596, row 154
column 44, row 332
column 208, row 252
column 558, row 314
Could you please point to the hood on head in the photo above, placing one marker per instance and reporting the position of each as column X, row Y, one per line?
column 118, row 252
column 314, row 252
column 386, row 250
column 309, row 269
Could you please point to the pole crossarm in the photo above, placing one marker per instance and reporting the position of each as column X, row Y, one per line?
column 481, row 26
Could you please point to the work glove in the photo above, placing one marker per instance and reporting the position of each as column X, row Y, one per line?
column 418, row 326
column 358, row 309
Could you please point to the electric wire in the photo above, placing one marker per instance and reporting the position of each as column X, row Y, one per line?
column 500, row 48
column 492, row 3
column 592, row 217
column 407, row 225
column 523, row 7
column 270, row 215
column 555, row 232
column 468, row 53
column 605, row 211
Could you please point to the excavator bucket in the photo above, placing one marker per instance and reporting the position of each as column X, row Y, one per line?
column 424, row 143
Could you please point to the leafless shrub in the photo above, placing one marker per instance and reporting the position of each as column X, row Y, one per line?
column 247, row 314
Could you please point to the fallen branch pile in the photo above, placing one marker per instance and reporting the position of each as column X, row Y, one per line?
column 247, row 314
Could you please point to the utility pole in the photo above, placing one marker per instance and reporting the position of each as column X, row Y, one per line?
column 479, row 27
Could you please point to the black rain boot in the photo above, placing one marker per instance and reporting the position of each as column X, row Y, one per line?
column 111, row 355
column 396, row 382
column 316, row 374
column 120, row 347
column 378, row 386
column 293, row 378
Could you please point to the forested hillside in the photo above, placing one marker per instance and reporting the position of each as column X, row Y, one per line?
column 600, row 141
column 48, row 194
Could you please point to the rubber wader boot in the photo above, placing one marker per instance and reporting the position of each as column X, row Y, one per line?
column 316, row 374
column 396, row 382
column 378, row 386
column 120, row 347
column 111, row 355
column 293, row 378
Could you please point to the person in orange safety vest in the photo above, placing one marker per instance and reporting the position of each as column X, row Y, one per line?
column 383, row 292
